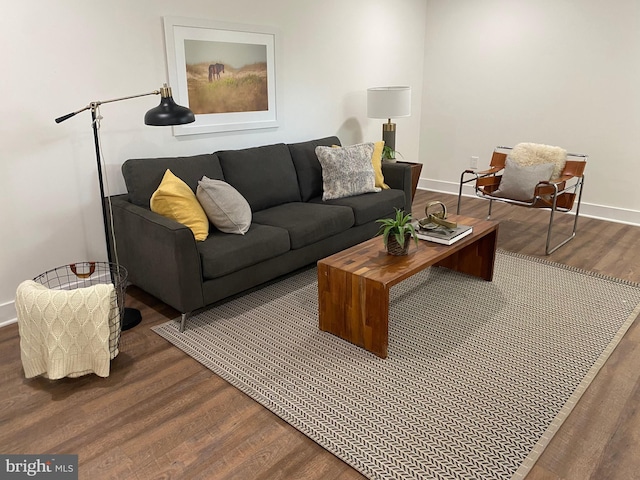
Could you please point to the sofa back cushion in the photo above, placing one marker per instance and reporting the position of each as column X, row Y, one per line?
column 308, row 167
column 264, row 176
column 142, row 176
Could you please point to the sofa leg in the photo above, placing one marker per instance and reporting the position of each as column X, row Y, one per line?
column 183, row 320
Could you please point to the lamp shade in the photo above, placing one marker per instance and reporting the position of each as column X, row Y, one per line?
column 388, row 102
column 168, row 112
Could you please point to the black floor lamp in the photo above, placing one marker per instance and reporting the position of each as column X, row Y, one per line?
column 165, row 114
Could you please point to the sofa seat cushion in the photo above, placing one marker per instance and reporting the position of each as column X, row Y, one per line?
column 307, row 223
column 368, row 207
column 225, row 253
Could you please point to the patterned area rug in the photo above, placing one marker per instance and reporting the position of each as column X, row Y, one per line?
column 479, row 377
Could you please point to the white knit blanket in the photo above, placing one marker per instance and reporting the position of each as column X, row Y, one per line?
column 527, row 154
column 64, row 333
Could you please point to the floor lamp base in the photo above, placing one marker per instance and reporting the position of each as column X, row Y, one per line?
column 131, row 318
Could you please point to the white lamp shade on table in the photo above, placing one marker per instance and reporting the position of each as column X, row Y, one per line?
column 389, row 102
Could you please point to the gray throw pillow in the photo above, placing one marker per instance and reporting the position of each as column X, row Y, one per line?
column 519, row 183
column 225, row 207
column 347, row 171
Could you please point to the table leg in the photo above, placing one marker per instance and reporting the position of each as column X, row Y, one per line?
column 354, row 308
column 475, row 259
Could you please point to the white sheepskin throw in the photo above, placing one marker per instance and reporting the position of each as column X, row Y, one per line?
column 527, row 154
column 64, row 333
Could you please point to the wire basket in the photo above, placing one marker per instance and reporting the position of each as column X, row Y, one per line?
column 85, row 274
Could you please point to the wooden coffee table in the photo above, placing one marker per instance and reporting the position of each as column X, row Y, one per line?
column 353, row 285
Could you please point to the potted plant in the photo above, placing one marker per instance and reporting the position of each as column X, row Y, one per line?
column 397, row 232
column 389, row 154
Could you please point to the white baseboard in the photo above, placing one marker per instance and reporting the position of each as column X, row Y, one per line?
column 591, row 210
column 8, row 314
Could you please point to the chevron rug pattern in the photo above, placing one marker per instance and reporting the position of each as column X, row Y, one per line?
column 479, row 376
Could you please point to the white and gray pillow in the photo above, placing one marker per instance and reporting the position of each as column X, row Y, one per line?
column 347, row 171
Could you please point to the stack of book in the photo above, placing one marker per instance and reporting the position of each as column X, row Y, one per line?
column 442, row 235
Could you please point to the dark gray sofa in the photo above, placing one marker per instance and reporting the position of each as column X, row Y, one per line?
column 291, row 226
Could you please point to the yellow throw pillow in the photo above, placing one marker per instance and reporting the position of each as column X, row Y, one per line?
column 376, row 160
column 174, row 199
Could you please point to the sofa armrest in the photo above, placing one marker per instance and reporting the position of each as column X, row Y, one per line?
column 160, row 254
column 398, row 175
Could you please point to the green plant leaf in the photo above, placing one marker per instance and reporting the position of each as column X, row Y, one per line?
column 398, row 226
column 389, row 154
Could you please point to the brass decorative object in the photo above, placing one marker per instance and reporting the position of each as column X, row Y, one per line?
column 436, row 219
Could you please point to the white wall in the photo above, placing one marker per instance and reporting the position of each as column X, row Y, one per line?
column 58, row 56
column 560, row 72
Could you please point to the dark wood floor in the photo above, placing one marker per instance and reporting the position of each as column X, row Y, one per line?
column 160, row 414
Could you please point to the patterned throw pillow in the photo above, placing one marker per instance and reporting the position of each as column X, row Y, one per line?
column 347, row 171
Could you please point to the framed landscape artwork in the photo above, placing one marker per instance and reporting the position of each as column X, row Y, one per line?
column 225, row 73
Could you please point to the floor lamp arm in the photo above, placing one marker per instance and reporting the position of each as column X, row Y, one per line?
column 94, row 105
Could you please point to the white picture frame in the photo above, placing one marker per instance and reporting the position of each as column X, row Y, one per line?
column 216, row 98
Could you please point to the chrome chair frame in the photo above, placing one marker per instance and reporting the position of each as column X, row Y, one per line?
column 546, row 195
